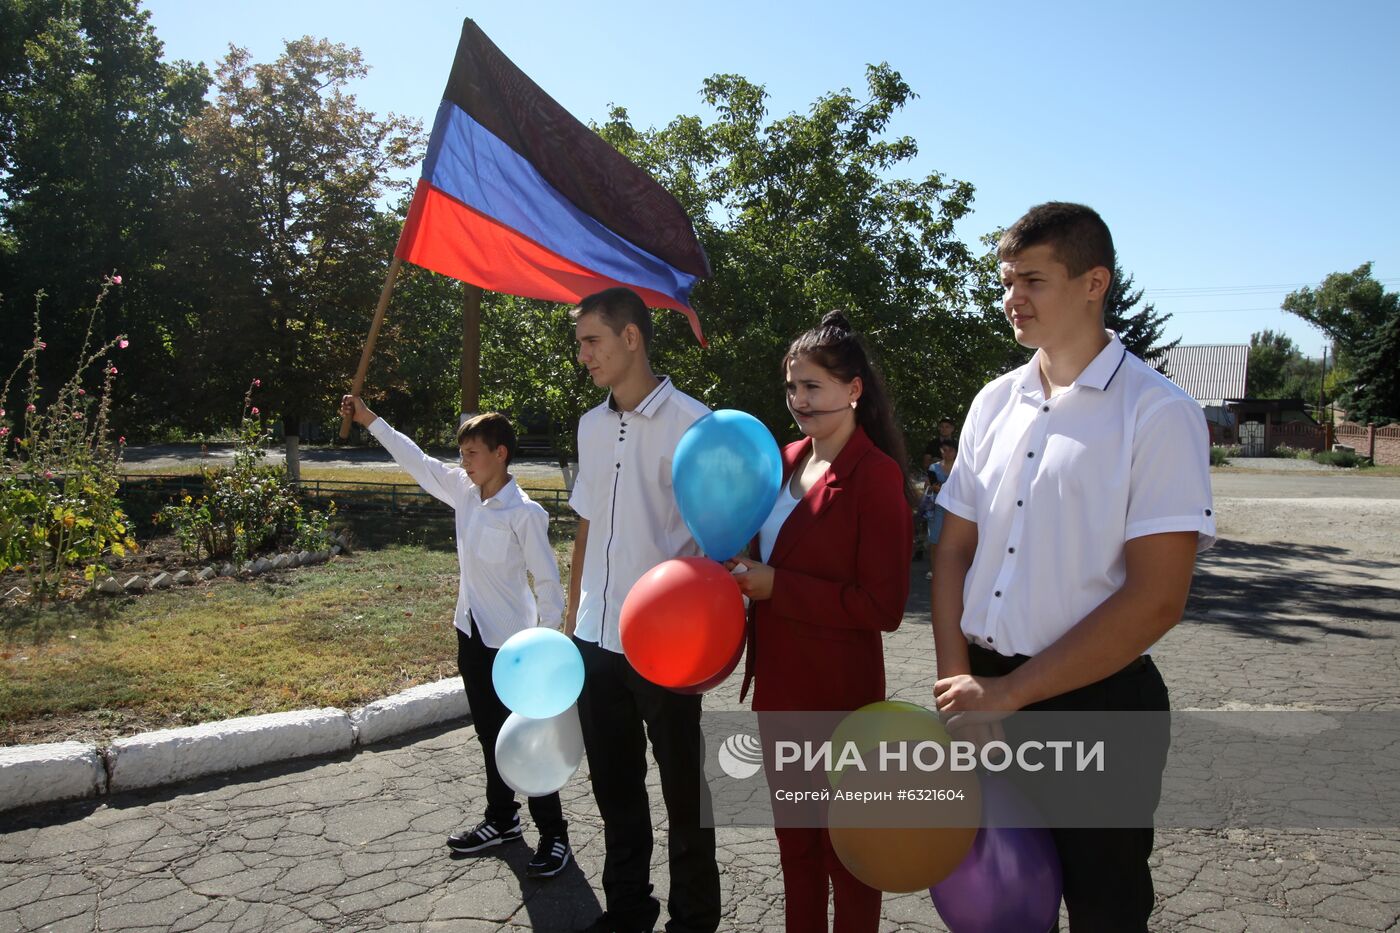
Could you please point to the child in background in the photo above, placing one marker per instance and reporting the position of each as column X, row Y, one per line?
column 501, row 534
column 937, row 476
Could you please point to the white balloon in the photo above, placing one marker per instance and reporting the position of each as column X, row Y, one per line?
column 538, row 756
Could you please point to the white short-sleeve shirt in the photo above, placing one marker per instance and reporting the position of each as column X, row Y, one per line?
column 1057, row 487
column 623, row 490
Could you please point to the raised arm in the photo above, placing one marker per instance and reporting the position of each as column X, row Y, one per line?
column 438, row 479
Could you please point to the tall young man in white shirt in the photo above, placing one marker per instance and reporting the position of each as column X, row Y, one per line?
column 1079, row 500
column 629, row 523
column 501, row 534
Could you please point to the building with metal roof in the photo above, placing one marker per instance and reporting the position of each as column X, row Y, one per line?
column 1210, row 373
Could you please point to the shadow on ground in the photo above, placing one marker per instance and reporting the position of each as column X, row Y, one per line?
column 1277, row 590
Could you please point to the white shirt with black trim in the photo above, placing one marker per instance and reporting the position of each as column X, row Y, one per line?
column 1057, row 487
column 623, row 490
column 498, row 540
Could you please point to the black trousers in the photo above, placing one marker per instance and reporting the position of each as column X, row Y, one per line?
column 619, row 710
column 1107, row 881
column 474, row 660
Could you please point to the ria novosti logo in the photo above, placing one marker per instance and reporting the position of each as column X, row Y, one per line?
column 740, row 756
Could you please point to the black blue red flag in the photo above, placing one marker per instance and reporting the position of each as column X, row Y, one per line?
column 518, row 196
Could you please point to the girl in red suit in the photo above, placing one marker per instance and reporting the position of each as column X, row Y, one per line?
column 832, row 574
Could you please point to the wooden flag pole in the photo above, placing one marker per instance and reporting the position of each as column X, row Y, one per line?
column 471, row 349
column 358, row 385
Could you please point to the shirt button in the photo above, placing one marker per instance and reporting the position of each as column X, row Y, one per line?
column 1207, row 511
column 619, row 466
column 1019, row 503
column 990, row 639
column 1011, row 550
column 1030, row 453
column 1045, row 408
column 997, row 594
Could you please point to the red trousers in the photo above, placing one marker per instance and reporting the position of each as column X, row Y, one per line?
column 811, row 871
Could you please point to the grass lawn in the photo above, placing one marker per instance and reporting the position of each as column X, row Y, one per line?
column 341, row 634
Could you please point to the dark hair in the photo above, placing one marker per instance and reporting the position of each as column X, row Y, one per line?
column 1076, row 235
column 491, row 428
column 839, row 350
column 618, row 307
column 947, row 442
column 943, row 421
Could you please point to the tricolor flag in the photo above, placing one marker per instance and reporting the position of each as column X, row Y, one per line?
column 519, row 197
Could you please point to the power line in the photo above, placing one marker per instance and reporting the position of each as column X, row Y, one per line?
column 1207, row 291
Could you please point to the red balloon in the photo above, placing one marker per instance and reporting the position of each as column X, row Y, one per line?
column 682, row 622
column 719, row 678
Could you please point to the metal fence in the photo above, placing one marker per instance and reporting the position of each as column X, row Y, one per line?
column 366, row 497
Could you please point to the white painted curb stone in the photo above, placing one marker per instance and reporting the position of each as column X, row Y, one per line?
column 170, row 755
column 32, row 774
column 415, row 708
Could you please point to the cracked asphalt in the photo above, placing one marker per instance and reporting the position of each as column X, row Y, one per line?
column 356, row 842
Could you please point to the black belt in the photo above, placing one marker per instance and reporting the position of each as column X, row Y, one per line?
column 1002, row 664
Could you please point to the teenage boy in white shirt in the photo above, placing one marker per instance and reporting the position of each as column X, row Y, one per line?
column 1080, row 497
column 501, row 534
column 629, row 523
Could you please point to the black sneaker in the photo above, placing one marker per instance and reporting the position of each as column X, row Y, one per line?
column 484, row 836
column 550, row 857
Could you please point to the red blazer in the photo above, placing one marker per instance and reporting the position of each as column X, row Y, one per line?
column 841, row 578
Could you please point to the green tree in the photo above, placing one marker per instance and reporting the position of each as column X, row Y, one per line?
column 1142, row 330
column 1278, row 369
column 1376, row 384
column 90, row 150
column 293, row 170
column 808, row 213
column 1350, row 307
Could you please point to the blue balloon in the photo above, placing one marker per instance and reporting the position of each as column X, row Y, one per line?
column 538, row 673
column 726, row 473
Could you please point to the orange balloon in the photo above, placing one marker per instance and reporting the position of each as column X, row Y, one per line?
column 683, row 622
column 903, row 846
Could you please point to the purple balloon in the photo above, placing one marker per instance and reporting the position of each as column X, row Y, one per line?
column 1010, row 882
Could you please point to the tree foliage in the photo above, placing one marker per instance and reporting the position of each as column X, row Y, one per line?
column 1142, row 330
column 1350, row 307
column 1360, row 316
column 91, row 144
column 1278, row 369
column 807, row 213
column 292, row 169
column 1376, row 385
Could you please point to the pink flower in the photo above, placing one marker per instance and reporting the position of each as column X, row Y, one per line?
column 256, row 383
column 30, row 408
column 82, row 391
column 77, row 416
column 116, row 280
column 112, row 370
column 4, row 431
column 123, row 343
column 255, row 411
column 41, row 345
column 2, row 412
column 122, row 439
column 48, row 474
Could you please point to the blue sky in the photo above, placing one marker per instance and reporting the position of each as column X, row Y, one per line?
column 1237, row 150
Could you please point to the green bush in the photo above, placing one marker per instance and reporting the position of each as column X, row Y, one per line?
column 249, row 507
column 58, row 467
column 1220, row 456
column 1339, row 458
